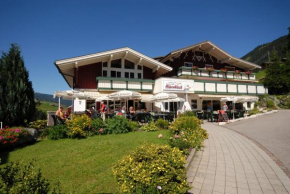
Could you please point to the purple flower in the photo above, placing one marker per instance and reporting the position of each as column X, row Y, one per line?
column 159, row 187
column 17, row 130
column 1, row 137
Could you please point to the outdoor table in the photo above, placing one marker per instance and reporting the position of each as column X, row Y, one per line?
column 158, row 116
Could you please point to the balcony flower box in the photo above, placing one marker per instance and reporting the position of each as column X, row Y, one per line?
column 237, row 72
column 223, row 70
column 210, row 68
column 248, row 72
column 194, row 68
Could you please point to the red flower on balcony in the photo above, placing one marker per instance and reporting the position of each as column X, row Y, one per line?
column 194, row 68
column 224, row 70
column 248, row 72
column 237, row 71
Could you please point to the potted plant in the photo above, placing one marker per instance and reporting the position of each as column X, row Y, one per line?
column 209, row 68
column 237, row 71
column 194, row 68
column 224, row 70
column 248, row 72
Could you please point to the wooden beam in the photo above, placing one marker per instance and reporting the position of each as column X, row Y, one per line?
column 226, row 60
column 209, row 50
column 126, row 53
column 139, row 61
column 155, row 69
column 110, row 58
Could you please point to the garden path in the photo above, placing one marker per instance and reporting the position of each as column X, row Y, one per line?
column 231, row 163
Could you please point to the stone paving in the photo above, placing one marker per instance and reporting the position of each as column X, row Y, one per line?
column 230, row 163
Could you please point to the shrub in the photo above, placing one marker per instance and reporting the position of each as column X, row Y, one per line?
column 187, row 114
column 17, row 177
column 255, row 110
column 9, row 137
column 270, row 104
column 45, row 132
column 186, row 132
column 58, row 132
column 116, row 125
column 149, row 127
column 133, row 125
column 39, row 124
column 161, row 123
column 152, row 166
column 39, row 115
column 78, row 125
column 96, row 125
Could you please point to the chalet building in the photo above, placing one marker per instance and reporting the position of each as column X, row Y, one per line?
column 202, row 74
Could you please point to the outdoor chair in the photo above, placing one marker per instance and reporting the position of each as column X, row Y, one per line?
column 57, row 120
column 143, row 117
column 209, row 117
column 200, row 115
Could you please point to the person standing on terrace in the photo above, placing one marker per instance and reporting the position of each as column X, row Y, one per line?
column 59, row 113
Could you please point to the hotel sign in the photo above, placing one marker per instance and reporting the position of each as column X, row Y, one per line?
column 177, row 85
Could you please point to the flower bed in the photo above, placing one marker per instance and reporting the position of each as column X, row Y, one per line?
column 10, row 137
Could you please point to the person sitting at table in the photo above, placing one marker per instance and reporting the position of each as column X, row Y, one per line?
column 67, row 113
column 131, row 110
column 123, row 108
column 60, row 114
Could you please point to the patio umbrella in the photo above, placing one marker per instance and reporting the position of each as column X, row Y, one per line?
column 125, row 95
column 69, row 95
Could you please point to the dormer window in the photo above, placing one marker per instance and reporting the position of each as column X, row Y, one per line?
column 129, row 65
column 116, row 63
column 187, row 64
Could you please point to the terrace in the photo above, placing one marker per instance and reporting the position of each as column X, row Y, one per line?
column 219, row 74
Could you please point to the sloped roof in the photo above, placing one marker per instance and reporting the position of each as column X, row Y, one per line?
column 211, row 48
column 66, row 66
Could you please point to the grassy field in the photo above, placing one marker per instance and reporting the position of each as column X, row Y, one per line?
column 260, row 74
column 85, row 165
column 48, row 106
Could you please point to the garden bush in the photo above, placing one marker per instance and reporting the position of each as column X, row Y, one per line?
column 161, row 123
column 78, row 125
column 116, row 125
column 186, row 132
column 255, row 110
column 270, row 104
column 149, row 127
column 58, row 132
column 97, row 125
column 10, row 137
column 187, row 114
column 133, row 125
column 152, row 169
column 21, row 178
column 39, row 124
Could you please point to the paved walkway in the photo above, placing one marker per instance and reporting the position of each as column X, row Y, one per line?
column 231, row 163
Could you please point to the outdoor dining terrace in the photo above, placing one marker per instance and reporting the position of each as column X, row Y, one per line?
column 222, row 74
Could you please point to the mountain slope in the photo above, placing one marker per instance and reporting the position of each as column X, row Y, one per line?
column 49, row 98
column 260, row 53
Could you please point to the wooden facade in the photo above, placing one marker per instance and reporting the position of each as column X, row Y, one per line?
column 199, row 59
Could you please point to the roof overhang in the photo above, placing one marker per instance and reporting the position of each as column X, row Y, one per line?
column 212, row 49
column 66, row 66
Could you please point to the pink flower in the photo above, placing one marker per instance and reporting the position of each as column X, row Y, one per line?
column 1, row 137
column 160, row 136
column 176, row 136
column 101, row 130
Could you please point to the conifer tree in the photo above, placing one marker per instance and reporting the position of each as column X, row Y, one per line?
column 16, row 92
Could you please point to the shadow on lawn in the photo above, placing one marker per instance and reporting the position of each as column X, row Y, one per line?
column 4, row 151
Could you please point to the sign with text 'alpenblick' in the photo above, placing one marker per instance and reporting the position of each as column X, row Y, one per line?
column 177, row 85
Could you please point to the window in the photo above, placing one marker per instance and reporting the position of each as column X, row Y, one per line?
column 113, row 73
column 230, row 68
column 116, row 63
column 187, row 64
column 139, row 76
column 131, row 75
column 139, row 67
column 248, row 104
column 105, row 74
column 105, row 64
column 127, row 75
column 129, row 65
column 193, row 104
column 118, row 74
column 208, row 66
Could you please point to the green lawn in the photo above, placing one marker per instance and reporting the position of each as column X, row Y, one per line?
column 85, row 165
column 47, row 106
column 260, row 74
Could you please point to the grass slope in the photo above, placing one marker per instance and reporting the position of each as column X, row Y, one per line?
column 84, row 166
column 260, row 74
column 47, row 106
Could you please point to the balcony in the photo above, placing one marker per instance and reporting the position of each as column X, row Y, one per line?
column 201, row 72
column 109, row 83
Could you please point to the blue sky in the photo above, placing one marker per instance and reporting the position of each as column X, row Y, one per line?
column 50, row 30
